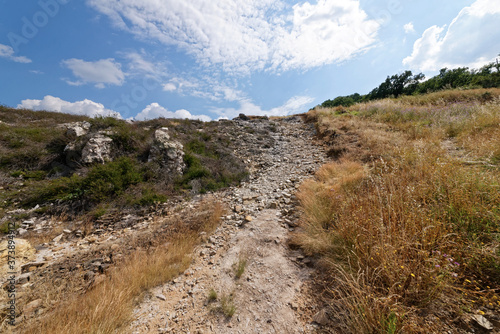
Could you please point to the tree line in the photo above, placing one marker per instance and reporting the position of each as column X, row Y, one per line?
column 407, row 83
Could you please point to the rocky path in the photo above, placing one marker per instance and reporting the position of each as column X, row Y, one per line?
column 269, row 295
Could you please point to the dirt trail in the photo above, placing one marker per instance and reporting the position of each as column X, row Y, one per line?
column 269, row 296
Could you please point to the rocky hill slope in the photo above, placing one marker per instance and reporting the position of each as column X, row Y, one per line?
column 74, row 240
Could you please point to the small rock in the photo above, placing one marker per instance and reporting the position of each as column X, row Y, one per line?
column 31, row 266
column 321, row 318
column 272, row 205
column 21, row 231
column 482, row 321
column 24, row 278
column 160, row 296
column 248, row 219
column 58, row 238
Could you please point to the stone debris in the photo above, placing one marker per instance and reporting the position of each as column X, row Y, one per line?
column 279, row 154
column 262, row 211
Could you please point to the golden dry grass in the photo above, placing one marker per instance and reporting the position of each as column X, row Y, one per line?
column 414, row 230
column 107, row 307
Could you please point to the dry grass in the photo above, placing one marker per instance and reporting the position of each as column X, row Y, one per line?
column 107, row 307
column 413, row 232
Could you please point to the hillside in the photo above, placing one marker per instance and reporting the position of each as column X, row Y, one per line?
column 378, row 217
column 405, row 222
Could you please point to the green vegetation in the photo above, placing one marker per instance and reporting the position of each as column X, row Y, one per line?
column 100, row 184
column 407, row 220
column 210, row 163
column 227, row 306
column 407, row 83
column 212, row 295
column 239, row 267
column 35, row 169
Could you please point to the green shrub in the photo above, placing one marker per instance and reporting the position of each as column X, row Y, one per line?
column 111, row 179
column 101, row 183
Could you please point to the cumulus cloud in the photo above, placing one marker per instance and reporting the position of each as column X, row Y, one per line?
column 154, row 110
column 85, row 107
column 241, row 35
column 101, row 72
column 470, row 40
column 7, row 51
column 294, row 105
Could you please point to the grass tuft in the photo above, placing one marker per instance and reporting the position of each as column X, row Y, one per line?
column 414, row 228
column 107, row 307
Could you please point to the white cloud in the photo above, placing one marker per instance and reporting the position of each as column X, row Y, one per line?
column 101, row 72
column 169, row 87
column 295, row 105
column 409, row 28
column 7, row 51
column 470, row 40
column 242, row 35
column 137, row 63
column 154, row 110
column 85, row 107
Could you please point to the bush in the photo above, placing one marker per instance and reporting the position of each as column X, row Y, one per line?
column 100, row 184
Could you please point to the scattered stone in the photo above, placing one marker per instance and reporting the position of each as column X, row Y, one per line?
column 30, row 266
column 21, row 231
column 482, row 321
column 248, row 219
column 321, row 317
column 58, row 238
column 161, row 297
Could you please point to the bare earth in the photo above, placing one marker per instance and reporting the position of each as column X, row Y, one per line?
column 270, row 296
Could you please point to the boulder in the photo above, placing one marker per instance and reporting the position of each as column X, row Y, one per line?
column 77, row 129
column 242, row 117
column 97, row 149
column 169, row 153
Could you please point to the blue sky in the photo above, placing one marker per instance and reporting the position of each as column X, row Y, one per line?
column 215, row 59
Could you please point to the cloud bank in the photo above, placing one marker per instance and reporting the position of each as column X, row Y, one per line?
column 154, row 110
column 85, row 107
column 470, row 40
column 241, row 36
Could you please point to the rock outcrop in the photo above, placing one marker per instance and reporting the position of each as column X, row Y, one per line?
column 97, row 149
column 169, row 153
column 77, row 129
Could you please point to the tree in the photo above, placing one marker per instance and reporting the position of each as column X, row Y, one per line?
column 405, row 83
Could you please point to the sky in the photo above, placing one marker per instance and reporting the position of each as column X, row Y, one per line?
column 209, row 60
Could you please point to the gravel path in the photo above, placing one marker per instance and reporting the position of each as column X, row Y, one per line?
column 270, row 295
